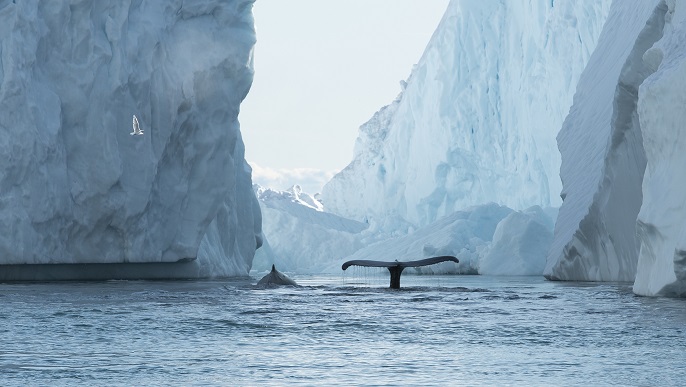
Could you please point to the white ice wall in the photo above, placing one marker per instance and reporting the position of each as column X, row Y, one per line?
column 662, row 112
column 75, row 187
column 477, row 119
column 602, row 152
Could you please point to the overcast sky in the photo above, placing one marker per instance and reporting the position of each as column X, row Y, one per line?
column 322, row 68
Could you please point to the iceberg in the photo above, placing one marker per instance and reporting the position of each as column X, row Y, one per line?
column 75, row 187
column 603, row 159
column 520, row 244
column 661, row 266
column 476, row 119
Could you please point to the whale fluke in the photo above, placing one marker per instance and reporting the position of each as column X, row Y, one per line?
column 275, row 278
column 396, row 268
column 421, row 262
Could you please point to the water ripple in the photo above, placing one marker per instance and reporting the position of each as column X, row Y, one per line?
column 469, row 330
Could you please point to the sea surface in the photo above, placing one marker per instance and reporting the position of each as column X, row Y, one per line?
column 336, row 330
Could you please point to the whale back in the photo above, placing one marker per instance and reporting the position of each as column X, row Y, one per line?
column 276, row 278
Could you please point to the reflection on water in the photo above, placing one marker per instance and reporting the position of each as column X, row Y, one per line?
column 339, row 330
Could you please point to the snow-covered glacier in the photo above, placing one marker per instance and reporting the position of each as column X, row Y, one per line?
column 662, row 115
column 477, row 118
column 75, row 187
column 603, row 160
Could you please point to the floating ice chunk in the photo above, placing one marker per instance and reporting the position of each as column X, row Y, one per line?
column 520, row 244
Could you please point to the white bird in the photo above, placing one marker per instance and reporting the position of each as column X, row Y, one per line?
column 137, row 131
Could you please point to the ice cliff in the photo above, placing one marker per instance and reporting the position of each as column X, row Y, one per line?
column 622, row 156
column 75, row 187
column 662, row 218
column 603, row 160
column 477, row 118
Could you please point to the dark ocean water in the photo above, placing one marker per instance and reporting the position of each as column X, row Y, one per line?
column 459, row 330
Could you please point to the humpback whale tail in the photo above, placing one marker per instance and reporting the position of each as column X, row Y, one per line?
column 396, row 268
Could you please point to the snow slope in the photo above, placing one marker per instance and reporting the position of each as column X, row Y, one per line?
column 662, row 218
column 75, row 187
column 602, row 152
column 477, row 118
